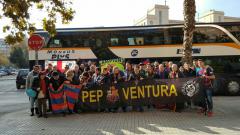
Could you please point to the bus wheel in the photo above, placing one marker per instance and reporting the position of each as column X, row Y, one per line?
column 233, row 87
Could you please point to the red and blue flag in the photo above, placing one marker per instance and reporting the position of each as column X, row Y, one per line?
column 58, row 102
column 71, row 92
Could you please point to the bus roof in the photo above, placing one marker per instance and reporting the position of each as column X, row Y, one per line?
column 135, row 27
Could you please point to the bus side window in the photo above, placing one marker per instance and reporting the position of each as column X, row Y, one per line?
column 157, row 40
column 55, row 43
column 140, row 40
column 66, row 43
column 131, row 41
column 114, row 41
column 86, row 43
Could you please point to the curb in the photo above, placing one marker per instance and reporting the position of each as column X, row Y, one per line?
column 7, row 79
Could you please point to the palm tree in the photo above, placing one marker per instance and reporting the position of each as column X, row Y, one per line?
column 189, row 26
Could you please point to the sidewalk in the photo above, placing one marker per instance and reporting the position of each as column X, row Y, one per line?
column 131, row 123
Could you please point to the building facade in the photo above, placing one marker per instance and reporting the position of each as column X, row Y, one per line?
column 159, row 15
column 4, row 48
column 216, row 16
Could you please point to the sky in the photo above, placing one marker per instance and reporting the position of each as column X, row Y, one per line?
column 98, row 13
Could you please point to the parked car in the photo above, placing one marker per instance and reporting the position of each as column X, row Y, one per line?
column 3, row 73
column 21, row 78
column 14, row 72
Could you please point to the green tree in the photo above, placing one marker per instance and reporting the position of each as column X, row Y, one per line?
column 3, row 60
column 189, row 26
column 18, row 57
column 18, row 11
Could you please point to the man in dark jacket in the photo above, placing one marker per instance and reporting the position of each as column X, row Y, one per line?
column 77, row 73
column 187, row 71
column 161, row 73
column 56, row 81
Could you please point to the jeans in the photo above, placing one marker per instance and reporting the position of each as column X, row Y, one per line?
column 32, row 101
column 209, row 99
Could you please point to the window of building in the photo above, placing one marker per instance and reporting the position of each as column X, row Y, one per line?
column 160, row 17
column 219, row 19
column 151, row 22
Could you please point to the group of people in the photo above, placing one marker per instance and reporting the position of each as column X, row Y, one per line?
column 88, row 74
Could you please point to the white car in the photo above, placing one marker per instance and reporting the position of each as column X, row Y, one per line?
column 2, row 73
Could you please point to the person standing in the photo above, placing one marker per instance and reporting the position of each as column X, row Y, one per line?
column 161, row 73
column 77, row 73
column 142, row 70
column 150, row 72
column 187, row 71
column 137, row 77
column 81, row 68
column 207, row 74
column 175, row 74
column 56, row 82
column 128, row 72
column 85, row 80
column 40, row 85
column 116, row 77
column 96, row 78
column 29, row 82
column 105, row 77
column 66, row 68
column 197, row 66
column 49, row 70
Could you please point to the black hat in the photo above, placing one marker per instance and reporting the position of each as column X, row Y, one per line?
column 55, row 73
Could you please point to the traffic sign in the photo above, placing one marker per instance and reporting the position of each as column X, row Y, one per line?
column 36, row 42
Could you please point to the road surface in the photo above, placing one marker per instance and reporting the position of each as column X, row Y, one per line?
column 11, row 99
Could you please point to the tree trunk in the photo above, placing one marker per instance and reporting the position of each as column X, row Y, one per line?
column 189, row 26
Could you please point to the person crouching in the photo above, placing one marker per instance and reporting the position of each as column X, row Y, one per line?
column 40, row 84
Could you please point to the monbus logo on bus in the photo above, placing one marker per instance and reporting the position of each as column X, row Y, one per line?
column 60, row 54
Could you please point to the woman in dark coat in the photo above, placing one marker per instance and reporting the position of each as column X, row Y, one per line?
column 40, row 85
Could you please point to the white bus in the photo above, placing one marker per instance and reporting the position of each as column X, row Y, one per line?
column 218, row 44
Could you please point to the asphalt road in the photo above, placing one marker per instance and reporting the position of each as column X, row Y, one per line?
column 11, row 99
